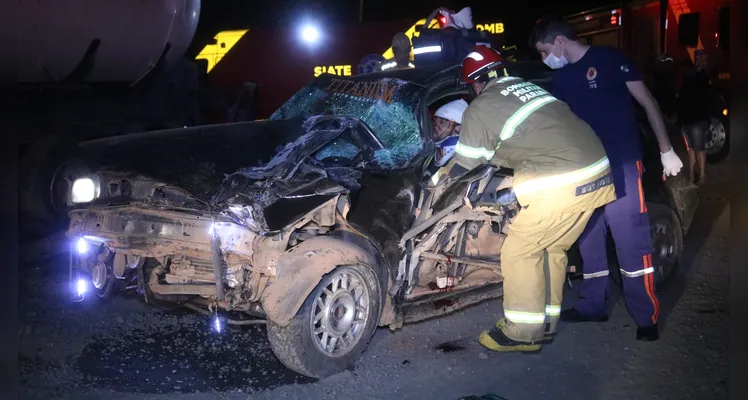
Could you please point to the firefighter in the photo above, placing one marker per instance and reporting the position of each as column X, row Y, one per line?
column 401, row 49
column 561, row 175
column 597, row 83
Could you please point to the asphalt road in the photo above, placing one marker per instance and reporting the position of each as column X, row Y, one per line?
column 125, row 350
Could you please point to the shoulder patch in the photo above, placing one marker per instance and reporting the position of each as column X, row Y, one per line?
column 591, row 73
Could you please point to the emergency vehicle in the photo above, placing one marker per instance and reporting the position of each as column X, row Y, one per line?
column 342, row 50
column 659, row 35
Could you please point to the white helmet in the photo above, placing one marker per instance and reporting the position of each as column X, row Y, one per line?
column 462, row 19
column 452, row 111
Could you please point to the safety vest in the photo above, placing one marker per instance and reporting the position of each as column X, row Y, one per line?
column 555, row 155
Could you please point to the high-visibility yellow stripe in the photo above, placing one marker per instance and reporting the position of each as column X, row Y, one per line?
column 473, row 152
column 521, row 115
column 524, row 317
column 552, row 310
column 568, row 178
column 507, row 79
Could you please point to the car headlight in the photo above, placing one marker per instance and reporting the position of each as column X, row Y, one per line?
column 84, row 190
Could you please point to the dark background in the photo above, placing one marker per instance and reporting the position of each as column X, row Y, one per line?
column 518, row 16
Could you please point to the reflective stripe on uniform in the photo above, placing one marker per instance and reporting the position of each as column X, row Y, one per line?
column 552, row 310
column 473, row 152
column 507, row 79
column 521, row 115
column 564, row 179
column 640, row 272
column 524, row 317
column 598, row 274
column 427, row 49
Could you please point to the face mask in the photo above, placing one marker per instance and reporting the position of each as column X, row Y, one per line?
column 555, row 62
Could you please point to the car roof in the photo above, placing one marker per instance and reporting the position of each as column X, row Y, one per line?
column 422, row 75
column 425, row 75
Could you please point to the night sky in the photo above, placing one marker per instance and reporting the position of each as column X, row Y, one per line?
column 518, row 16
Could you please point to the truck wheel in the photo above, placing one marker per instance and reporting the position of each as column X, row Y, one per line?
column 40, row 211
column 667, row 241
column 717, row 141
column 333, row 326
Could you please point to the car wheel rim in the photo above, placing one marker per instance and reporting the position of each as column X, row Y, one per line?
column 663, row 245
column 340, row 313
column 98, row 276
column 716, row 136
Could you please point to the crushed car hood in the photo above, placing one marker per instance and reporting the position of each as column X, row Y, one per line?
column 263, row 164
column 199, row 159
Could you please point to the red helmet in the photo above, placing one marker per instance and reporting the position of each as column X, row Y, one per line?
column 479, row 62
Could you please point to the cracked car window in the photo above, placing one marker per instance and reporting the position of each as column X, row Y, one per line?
column 387, row 106
column 339, row 147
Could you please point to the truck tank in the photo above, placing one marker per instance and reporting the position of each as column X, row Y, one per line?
column 104, row 40
column 95, row 68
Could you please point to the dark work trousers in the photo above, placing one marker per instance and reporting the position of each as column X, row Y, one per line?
column 628, row 221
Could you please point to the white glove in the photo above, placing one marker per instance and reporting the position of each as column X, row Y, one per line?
column 671, row 163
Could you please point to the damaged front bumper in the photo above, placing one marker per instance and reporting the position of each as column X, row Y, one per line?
column 189, row 249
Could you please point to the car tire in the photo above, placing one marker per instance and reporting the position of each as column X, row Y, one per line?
column 718, row 141
column 297, row 345
column 667, row 241
column 105, row 284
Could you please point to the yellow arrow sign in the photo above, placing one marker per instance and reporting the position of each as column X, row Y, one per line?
column 225, row 40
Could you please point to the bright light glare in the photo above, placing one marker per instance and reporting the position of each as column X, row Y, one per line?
column 309, row 34
column 217, row 324
column 81, row 287
column 84, row 190
column 82, row 246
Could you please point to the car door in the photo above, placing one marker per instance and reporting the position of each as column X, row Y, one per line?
column 455, row 243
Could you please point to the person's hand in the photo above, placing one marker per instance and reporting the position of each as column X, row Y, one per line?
column 671, row 163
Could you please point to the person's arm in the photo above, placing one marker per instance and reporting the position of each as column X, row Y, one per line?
column 654, row 114
column 477, row 145
column 671, row 163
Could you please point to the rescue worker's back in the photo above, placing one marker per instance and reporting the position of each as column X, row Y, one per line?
column 555, row 155
column 561, row 175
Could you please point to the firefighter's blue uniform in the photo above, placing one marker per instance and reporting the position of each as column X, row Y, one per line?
column 595, row 89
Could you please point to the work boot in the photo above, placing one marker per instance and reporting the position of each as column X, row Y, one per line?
column 547, row 338
column 572, row 315
column 647, row 333
column 496, row 340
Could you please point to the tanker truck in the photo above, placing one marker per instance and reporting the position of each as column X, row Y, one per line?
column 89, row 69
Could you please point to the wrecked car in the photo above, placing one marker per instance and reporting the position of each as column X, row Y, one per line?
column 322, row 220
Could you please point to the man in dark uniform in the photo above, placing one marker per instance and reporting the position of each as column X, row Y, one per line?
column 597, row 83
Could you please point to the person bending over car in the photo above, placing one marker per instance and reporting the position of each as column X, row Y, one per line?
column 561, row 175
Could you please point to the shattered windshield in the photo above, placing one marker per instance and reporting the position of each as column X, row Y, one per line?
column 388, row 106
